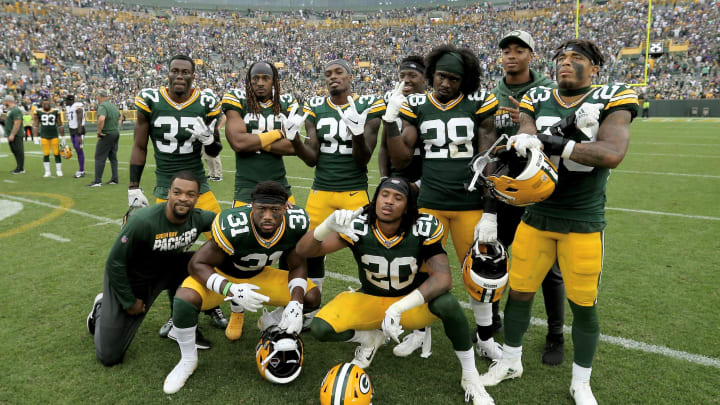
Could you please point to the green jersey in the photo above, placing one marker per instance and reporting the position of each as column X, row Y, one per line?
column 336, row 169
column 49, row 121
column 146, row 243
column 112, row 117
column 503, row 92
column 389, row 267
column 170, row 123
column 13, row 115
column 253, row 167
column 579, row 195
column 249, row 251
column 448, row 132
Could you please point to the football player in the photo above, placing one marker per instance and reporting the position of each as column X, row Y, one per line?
column 454, row 122
column 517, row 53
column 178, row 120
column 586, row 132
column 391, row 242
column 75, row 115
column 240, row 263
column 48, row 124
column 412, row 81
column 254, row 131
column 149, row 255
column 341, row 135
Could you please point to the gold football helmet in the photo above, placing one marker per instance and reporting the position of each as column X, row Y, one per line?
column 279, row 356
column 515, row 180
column 65, row 150
column 346, row 384
column 485, row 271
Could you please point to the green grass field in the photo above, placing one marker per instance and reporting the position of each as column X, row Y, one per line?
column 658, row 300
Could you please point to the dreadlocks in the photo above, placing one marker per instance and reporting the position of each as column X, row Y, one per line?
column 471, row 65
column 251, row 98
column 411, row 210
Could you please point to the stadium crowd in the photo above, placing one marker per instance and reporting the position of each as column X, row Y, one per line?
column 52, row 48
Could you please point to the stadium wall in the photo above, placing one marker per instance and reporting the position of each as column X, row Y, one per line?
column 684, row 108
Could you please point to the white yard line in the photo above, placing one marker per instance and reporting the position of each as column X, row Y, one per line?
column 55, row 237
column 670, row 214
column 708, row 176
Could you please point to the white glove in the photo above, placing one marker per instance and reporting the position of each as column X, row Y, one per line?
column 587, row 115
column 244, row 296
column 136, row 198
column 293, row 123
column 340, row 221
column 486, row 228
column 202, row 132
column 292, row 318
column 523, row 142
column 391, row 325
column 353, row 121
column 394, row 103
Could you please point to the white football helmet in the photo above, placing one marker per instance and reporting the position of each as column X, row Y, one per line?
column 279, row 356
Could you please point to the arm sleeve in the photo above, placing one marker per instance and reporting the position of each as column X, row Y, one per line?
column 527, row 106
column 625, row 98
column 487, row 107
column 409, row 113
column 102, row 111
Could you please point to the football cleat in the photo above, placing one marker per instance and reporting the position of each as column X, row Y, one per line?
column 217, row 318
column 279, row 356
column 370, row 342
column 270, row 319
column 97, row 303
column 582, row 393
column 485, row 271
column 165, row 329
column 489, row 349
column 554, row 352
column 503, row 369
column 413, row 341
column 79, row 174
column 235, row 326
column 346, row 384
column 179, row 375
column 515, row 180
column 47, row 174
column 474, row 390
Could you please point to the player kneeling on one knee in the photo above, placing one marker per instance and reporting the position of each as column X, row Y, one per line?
column 391, row 241
column 238, row 264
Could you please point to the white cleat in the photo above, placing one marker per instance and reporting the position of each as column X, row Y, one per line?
column 269, row 319
column 489, row 349
column 59, row 173
column 582, row 393
column 413, row 341
column 503, row 369
column 474, row 390
column 179, row 375
column 370, row 341
column 47, row 174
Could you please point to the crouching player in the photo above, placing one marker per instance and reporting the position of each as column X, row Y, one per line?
column 239, row 263
column 390, row 241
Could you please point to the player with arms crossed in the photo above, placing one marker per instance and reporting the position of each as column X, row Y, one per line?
column 240, row 263
column 255, row 132
column 391, row 241
column 454, row 122
column 48, row 123
column 174, row 119
column 586, row 133
column 341, row 135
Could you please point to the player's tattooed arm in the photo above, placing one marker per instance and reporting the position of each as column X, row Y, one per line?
column 439, row 280
column 310, row 149
column 527, row 124
column 613, row 138
column 401, row 148
column 139, row 148
column 363, row 146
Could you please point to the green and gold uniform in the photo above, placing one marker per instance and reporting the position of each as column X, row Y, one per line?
column 151, row 254
column 569, row 224
column 253, row 167
column 250, row 257
column 412, row 171
column 449, row 136
column 170, row 122
column 48, row 122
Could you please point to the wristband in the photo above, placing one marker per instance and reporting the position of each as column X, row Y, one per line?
column 410, row 301
column 214, row 282
column 298, row 282
column 227, row 287
column 321, row 232
column 568, row 149
column 136, row 173
column 267, row 138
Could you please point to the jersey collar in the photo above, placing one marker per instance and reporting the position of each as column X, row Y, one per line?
column 179, row 106
column 556, row 94
column 342, row 107
column 388, row 243
column 444, row 107
column 270, row 242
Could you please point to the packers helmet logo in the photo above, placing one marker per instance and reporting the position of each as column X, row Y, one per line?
column 514, row 33
column 364, row 383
